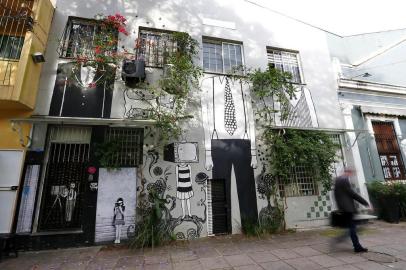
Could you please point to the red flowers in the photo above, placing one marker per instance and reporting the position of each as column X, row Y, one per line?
column 91, row 85
column 117, row 21
column 98, row 50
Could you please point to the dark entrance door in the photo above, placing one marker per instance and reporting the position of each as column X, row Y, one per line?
column 66, row 179
column 220, row 209
column 64, row 187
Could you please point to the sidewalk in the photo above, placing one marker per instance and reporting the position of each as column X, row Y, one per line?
column 302, row 251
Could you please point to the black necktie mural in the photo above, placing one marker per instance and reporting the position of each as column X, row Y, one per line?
column 230, row 122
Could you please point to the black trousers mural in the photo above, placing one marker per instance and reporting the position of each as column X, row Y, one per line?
column 236, row 153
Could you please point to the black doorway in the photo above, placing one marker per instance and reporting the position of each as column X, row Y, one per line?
column 220, row 208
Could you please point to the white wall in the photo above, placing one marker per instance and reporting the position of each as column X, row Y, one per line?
column 236, row 20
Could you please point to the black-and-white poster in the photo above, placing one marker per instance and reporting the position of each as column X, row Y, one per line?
column 116, row 202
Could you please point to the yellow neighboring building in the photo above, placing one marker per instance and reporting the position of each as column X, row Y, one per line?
column 24, row 29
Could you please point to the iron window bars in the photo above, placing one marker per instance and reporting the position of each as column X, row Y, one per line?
column 15, row 20
column 221, row 57
column 302, row 183
column 130, row 146
column 154, row 47
column 79, row 38
column 286, row 61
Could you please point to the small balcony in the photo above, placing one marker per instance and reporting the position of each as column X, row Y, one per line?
column 24, row 27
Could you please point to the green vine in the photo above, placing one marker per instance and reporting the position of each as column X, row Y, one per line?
column 107, row 154
column 313, row 150
column 182, row 75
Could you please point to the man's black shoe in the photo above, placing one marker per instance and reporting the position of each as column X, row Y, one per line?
column 361, row 249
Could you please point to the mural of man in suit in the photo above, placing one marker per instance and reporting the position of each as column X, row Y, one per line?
column 228, row 121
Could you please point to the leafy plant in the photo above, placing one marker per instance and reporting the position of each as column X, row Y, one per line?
column 181, row 76
column 152, row 229
column 107, row 154
column 292, row 148
column 381, row 192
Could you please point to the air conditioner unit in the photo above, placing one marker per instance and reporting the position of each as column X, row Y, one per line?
column 133, row 71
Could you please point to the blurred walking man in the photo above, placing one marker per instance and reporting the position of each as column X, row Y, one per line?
column 345, row 196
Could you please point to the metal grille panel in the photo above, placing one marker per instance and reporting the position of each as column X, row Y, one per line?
column 130, row 146
column 15, row 20
column 64, row 186
column 154, row 46
column 301, row 183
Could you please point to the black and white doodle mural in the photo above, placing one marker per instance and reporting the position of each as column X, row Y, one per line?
column 228, row 123
column 187, row 225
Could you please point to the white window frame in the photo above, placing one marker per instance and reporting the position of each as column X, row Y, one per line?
column 286, row 51
column 216, row 41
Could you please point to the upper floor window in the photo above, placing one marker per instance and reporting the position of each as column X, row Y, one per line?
column 78, row 39
column 221, row 57
column 154, row 46
column 82, row 36
column 10, row 46
column 286, row 61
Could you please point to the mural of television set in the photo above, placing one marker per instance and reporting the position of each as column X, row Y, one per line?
column 182, row 152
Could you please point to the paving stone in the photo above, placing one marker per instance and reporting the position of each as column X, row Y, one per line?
column 326, row 260
column 306, row 251
column 206, row 252
column 397, row 265
column 214, row 263
column 126, row 261
column 348, row 257
column 193, row 265
column 248, row 267
column 303, row 264
column 184, row 255
column 263, row 256
column 279, row 265
column 73, row 266
column 344, row 267
column 371, row 266
column 159, row 266
column 285, row 253
column 239, row 260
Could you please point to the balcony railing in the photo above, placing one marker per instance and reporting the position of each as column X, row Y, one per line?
column 16, row 19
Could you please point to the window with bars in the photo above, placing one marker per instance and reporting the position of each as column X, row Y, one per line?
column 154, row 46
column 10, row 47
column 286, row 61
column 221, row 57
column 128, row 146
column 301, row 183
column 388, row 150
column 80, row 37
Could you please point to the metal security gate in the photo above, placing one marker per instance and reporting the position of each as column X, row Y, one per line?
column 64, row 183
column 388, row 150
column 219, row 206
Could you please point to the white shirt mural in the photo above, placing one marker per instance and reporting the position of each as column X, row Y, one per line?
column 216, row 113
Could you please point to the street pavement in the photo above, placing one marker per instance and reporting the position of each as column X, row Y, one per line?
column 304, row 250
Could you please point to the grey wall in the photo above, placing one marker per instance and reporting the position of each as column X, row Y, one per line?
column 367, row 148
